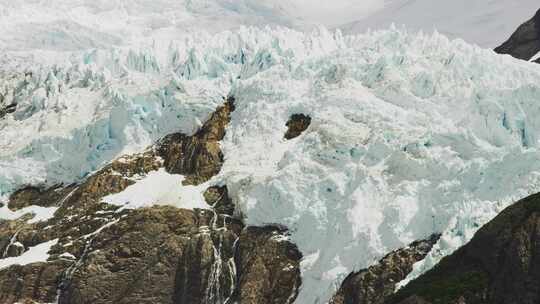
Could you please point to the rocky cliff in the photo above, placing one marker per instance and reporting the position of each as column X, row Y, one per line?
column 103, row 253
column 377, row 283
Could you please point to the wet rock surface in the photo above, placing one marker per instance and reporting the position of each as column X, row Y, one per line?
column 525, row 41
column 296, row 125
column 377, row 283
column 38, row 196
column 31, row 283
column 198, row 157
column 500, row 265
column 159, row 254
column 268, row 266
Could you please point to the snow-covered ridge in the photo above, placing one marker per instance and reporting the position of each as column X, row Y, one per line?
column 411, row 134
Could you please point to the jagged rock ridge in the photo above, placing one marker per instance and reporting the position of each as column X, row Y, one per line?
column 500, row 265
column 525, row 42
column 159, row 254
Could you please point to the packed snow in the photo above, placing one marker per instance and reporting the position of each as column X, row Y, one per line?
column 36, row 254
column 38, row 213
column 159, row 188
column 411, row 134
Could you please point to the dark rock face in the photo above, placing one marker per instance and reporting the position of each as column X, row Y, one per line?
column 218, row 198
column 268, row 267
column 158, row 255
column 152, row 255
column 500, row 265
column 31, row 283
column 525, row 42
column 198, row 157
column 38, row 196
column 6, row 109
column 376, row 283
column 297, row 124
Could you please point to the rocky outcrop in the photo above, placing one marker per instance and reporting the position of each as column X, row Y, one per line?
column 159, row 254
column 38, row 196
column 377, row 283
column 525, row 41
column 296, row 125
column 268, row 267
column 198, row 157
column 500, row 265
column 4, row 110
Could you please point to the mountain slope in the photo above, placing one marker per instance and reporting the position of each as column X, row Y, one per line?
column 499, row 265
column 525, row 41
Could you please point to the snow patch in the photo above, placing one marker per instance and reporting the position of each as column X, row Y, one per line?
column 40, row 214
column 159, row 188
column 38, row 253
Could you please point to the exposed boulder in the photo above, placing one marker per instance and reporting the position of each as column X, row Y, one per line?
column 297, row 124
column 376, row 283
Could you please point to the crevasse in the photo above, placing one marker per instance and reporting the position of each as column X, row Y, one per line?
column 411, row 133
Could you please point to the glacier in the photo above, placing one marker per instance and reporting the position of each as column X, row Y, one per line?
column 411, row 133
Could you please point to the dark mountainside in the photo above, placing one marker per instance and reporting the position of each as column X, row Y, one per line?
column 500, row 265
column 525, row 42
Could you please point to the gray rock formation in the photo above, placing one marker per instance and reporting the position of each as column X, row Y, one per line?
column 525, row 41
